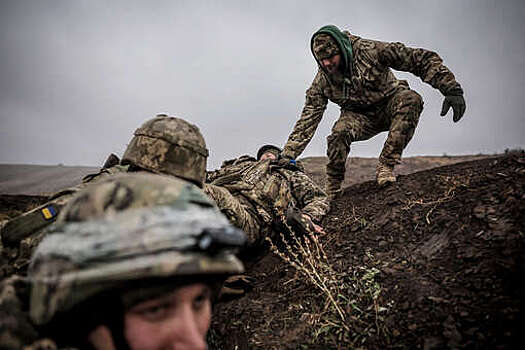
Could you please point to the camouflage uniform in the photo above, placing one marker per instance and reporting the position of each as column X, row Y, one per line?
column 116, row 233
column 23, row 233
column 163, row 145
column 256, row 195
column 371, row 98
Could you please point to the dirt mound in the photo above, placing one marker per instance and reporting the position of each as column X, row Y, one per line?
column 363, row 169
column 434, row 261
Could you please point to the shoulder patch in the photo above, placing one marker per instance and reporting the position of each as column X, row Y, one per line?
column 49, row 212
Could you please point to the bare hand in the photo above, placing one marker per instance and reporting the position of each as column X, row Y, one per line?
column 318, row 228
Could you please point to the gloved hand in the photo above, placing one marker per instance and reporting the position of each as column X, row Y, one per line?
column 457, row 102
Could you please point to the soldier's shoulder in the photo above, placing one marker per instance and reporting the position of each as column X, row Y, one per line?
column 189, row 192
column 239, row 160
column 359, row 43
column 34, row 220
column 104, row 172
column 320, row 79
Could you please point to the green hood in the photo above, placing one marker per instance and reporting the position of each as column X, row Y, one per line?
column 345, row 46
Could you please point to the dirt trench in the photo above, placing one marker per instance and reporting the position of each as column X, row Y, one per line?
column 434, row 261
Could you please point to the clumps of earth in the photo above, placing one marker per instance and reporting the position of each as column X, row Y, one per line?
column 434, row 261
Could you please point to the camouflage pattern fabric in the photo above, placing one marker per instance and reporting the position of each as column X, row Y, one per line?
column 169, row 145
column 372, row 84
column 324, row 46
column 23, row 233
column 164, row 145
column 399, row 116
column 257, row 194
column 129, row 228
column 16, row 330
column 131, row 190
column 239, row 212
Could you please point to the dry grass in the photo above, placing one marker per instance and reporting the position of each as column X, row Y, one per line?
column 353, row 308
column 451, row 184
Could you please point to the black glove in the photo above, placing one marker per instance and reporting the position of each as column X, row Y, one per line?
column 457, row 102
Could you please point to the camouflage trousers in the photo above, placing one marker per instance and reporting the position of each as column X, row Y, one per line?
column 237, row 212
column 399, row 116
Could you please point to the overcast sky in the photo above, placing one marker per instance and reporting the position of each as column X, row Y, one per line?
column 77, row 77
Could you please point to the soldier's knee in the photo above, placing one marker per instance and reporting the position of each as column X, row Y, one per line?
column 416, row 100
column 411, row 100
column 406, row 107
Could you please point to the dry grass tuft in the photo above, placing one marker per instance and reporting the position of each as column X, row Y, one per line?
column 353, row 309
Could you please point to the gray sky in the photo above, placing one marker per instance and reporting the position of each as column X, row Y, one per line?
column 77, row 77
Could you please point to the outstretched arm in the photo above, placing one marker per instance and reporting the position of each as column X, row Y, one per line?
column 311, row 199
column 430, row 68
column 423, row 63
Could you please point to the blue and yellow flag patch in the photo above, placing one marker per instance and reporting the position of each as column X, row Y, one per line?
column 49, row 212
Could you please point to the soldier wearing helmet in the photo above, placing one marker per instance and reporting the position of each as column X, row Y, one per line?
column 356, row 73
column 163, row 145
column 168, row 145
column 260, row 195
column 133, row 262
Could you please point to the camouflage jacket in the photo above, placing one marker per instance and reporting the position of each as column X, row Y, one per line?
column 22, row 234
column 372, row 82
column 269, row 188
column 16, row 329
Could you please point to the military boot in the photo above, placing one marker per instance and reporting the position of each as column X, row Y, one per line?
column 333, row 187
column 385, row 174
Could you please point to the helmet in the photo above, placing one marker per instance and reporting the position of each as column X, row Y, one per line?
column 124, row 230
column 267, row 148
column 171, row 146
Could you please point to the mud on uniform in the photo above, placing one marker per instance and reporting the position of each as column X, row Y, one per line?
column 255, row 195
column 371, row 98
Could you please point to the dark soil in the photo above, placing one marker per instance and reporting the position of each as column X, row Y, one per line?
column 363, row 169
column 434, row 261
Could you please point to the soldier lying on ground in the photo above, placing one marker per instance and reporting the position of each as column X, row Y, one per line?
column 356, row 74
column 257, row 194
column 133, row 262
column 162, row 145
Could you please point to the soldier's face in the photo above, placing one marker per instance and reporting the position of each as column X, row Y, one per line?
column 331, row 64
column 268, row 155
column 177, row 320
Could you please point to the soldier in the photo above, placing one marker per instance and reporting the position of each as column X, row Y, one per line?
column 356, row 74
column 256, row 194
column 133, row 262
column 162, row 145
